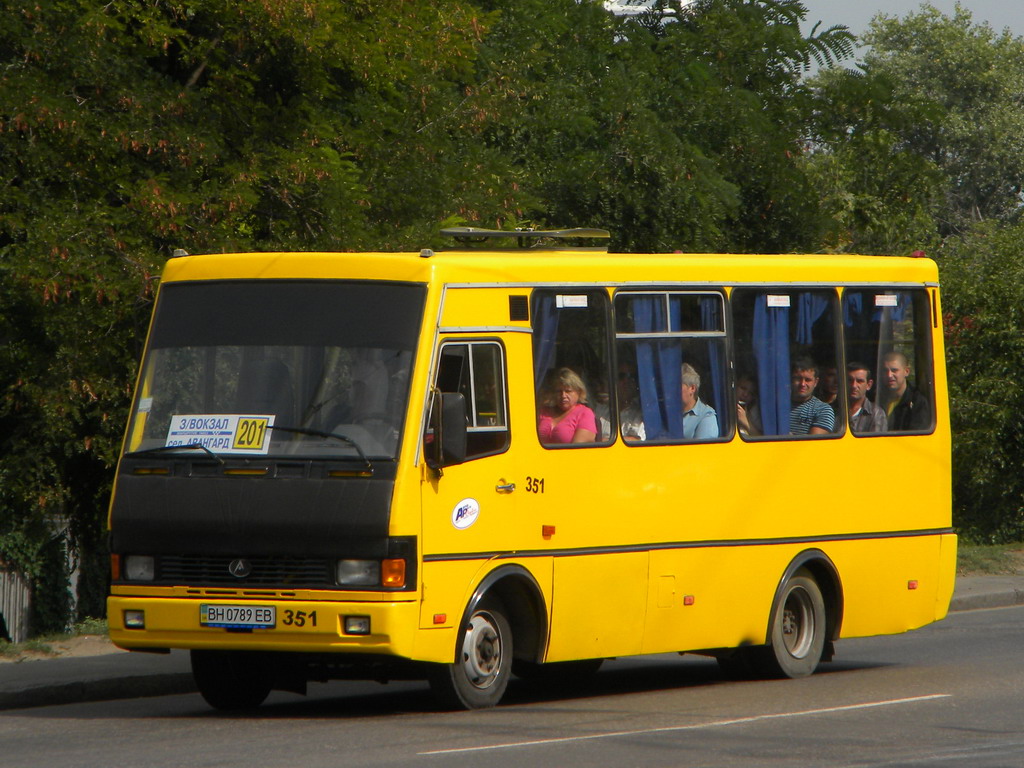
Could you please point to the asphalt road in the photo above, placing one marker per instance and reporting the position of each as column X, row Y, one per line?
column 951, row 694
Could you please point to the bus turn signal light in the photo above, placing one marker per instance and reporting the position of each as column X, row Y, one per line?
column 392, row 573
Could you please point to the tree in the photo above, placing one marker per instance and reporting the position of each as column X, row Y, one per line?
column 983, row 279
column 754, row 114
column 128, row 130
column 570, row 99
column 880, row 195
column 966, row 83
column 675, row 135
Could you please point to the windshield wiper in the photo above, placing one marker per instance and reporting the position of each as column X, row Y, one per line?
column 186, row 446
column 334, row 435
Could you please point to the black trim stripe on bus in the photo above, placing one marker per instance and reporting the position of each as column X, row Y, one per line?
column 625, row 549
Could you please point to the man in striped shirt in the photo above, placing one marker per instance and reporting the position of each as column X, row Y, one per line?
column 809, row 416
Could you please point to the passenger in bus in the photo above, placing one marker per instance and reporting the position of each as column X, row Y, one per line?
column 700, row 422
column 809, row 415
column 906, row 407
column 603, row 408
column 565, row 416
column 865, row 416
column 828, row 389
column 748, row 412
column 631, row 417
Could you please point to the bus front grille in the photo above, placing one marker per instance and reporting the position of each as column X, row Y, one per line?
column 244, row 572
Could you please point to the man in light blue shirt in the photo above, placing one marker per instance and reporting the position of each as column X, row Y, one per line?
column 699, row 419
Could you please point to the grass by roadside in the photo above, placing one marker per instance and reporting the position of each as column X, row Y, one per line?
column 49, row 645
column 992, row 559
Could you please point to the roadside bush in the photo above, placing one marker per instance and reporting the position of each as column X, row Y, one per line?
column 983, row 295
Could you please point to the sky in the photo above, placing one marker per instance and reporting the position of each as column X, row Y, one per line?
column 856, row 14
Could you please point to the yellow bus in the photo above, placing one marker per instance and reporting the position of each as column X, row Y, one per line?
column 508, row 458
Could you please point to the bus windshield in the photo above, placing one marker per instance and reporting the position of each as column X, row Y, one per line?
column 313, row 369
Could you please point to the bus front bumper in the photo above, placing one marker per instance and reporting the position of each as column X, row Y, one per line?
column 148, row 623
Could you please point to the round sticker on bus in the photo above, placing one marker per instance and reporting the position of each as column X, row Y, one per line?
column 465, row 513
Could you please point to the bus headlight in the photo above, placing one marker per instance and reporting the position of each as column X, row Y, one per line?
column 358, row 573
column 139, row 568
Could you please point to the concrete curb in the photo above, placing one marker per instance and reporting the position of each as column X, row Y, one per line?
column 1003, row 599
column 79, row 691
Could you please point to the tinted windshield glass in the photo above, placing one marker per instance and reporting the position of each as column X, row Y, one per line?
column 258, row 367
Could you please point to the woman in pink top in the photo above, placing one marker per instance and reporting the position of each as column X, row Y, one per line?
column 564, row 417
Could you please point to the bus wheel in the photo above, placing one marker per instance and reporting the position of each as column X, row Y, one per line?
column 231, row 681
column 482, row 668
column 798, row 629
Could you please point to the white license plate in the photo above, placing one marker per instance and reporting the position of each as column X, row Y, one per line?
column 238, row 616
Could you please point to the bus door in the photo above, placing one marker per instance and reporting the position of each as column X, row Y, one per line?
column 468, row 506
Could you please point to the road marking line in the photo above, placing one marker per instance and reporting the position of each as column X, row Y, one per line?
column 696, row 727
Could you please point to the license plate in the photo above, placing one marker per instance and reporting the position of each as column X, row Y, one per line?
column 238, row 616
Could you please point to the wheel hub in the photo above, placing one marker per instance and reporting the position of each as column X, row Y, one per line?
column 798, row 623
column 481, row 651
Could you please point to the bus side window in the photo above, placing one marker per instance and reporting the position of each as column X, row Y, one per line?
column 888, row 354
column 476, row 370
column 672, row 365
column 571, row 353
column 787, row 353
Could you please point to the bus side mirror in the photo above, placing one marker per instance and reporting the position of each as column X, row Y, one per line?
column 448, row 424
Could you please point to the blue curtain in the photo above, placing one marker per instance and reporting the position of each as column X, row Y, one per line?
column 659, row 372
column 809, row 307
column 545, row 336
column 711, row 320
column 853, row 302
column 854, row 311
column 771, row 350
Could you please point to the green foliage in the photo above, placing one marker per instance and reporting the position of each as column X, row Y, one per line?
column 880, row 195
column 683, row 135
column 965, row 82
column 983, row 280
column 51, row 597
column 127, row 130
column 91, row 626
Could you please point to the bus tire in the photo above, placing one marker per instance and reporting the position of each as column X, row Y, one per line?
column 483, row 663
column 231, row 681
column 798, row 629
